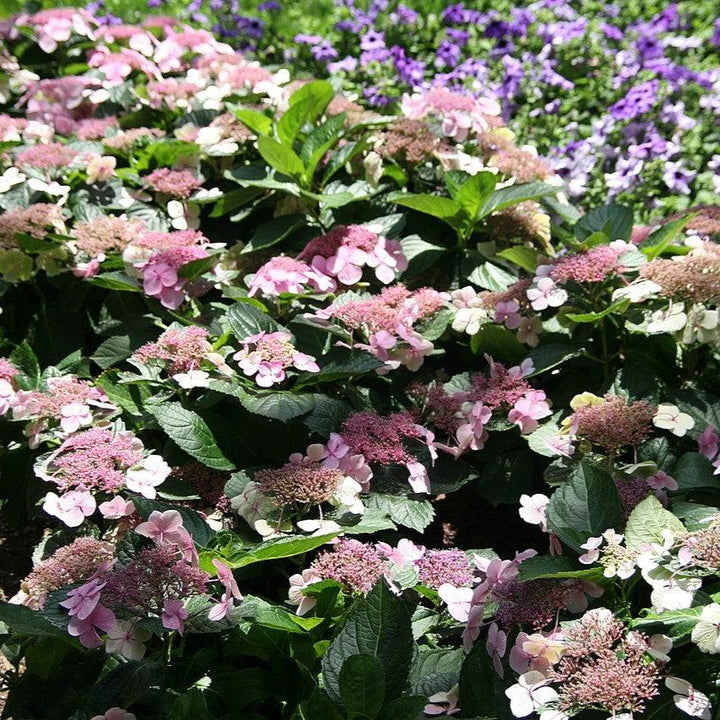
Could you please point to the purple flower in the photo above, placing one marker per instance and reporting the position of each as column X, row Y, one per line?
column 372, row 40
column 324, row 51
column 347, row 64
column 637, row 101
column 677, row 177
column 404, row 15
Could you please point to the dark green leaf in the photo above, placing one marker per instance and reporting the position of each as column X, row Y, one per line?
column 361, row 685
column 191, row 434
column 585, row 505
column 615, row 221
column 377, row 625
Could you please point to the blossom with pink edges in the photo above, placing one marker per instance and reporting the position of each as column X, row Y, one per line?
column 298, row 583
column 174, row 615
column 222, row 609
column 266, row 356
column 71, row 508
column 282, row 274
column 530, row 408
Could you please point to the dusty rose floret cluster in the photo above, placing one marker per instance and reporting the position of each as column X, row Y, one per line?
column 355, row 565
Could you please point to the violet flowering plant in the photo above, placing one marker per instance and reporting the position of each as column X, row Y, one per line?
column 353, row 412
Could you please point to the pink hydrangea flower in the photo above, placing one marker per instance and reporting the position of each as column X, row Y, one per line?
column 71, row 508
column 496, row 645
column 116, row 508
column 530, row 408
column 544, row 293
column 458, row 600
column 145, row 477
column 86, row 630
column 298, row 582
column 507, row 312
column 74, row 416
column 662, row 481
column 163, row 527
column 472, row 434
column 174, row 615
column 223, row 608
column 82, row 601
column 708, row 442
column 126, row 639
column 346, row 250
column 284, row 275
column 533, row 509
column 267, row 356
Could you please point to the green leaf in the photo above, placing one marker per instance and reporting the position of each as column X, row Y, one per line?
column 256, row 121
column 277, row 405
column 24, row 621
column 524, row 257
column 489, row 276
column 472, row 193
column 377, row 625
column 115, row 281
column 273, row 231
column 24, row 359
column 124, row 685
column 435, row 670
column 585, row 505
column 280, row 157
column 416, row 514
column 403, row 708
column 319, row 141
column 362, row 685
column 442, row 208
column 616, row 308
column 481, row 691
column 191, row 434
column 420, row 254
column 284, row 547
column 293, row 119
column 657, row 242
column 235, row 199
column 677, row 623
column 319, row 91
column 694, row 515
column 547, row 357
column 327, row 415
column 245, row 320
column 498, row 342
column 694, row 470
column 616, row 221
column 514, row 194
column 339, row 364
column 341, row 156
column 647, row 521
column 195, row 268
column 555, row 566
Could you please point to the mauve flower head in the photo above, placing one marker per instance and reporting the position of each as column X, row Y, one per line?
column 614, row 423
column 355, row 565
column 70, row 564
column 266, row 356
column 345, row 250
column 96, row 459
column 283, row 274
column 160, row 274
column 439, row 567
column 605, row 666
column 299, row 483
